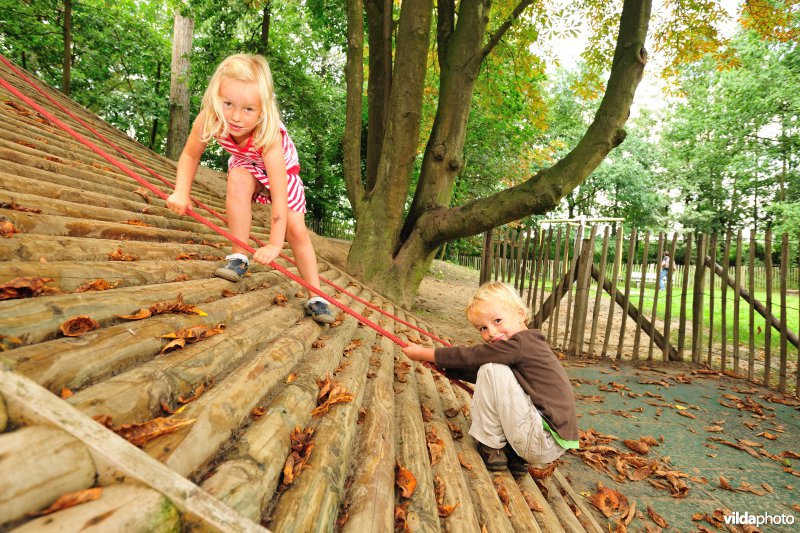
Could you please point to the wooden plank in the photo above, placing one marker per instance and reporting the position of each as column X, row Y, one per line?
column 626, row 293
column 687, row 256
column 486, row 257
column 751, row 344
column 582, row 293
column 598, row 296
column 637, row 337
column 614, row 275
column 547, row 266
column 559, row 289
column 656, row 292
column 116, row 458
column 534, row 242
column 668, row 298
column 767, row 328
column 711, row 287
column 737, row 292
column 573, row 268
column 519, row 260
column 559, row 504
column 523, row 268
column 784, row 278
column 697, row 300
column 726, row 260
column 556, row 274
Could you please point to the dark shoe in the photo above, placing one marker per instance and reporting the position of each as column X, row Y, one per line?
column 233, row 271
column 320, row 312
column 495, row 458
column 516, row 464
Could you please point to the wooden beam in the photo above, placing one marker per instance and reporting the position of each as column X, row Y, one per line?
column 115, row 458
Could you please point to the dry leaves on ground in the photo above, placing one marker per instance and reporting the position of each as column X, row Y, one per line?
column 405, row 480
column 330, row 393
column 502, row 492
column 161, row 308
column 301, row 446
column 25, row 287
column 71, row 499
column 77, row 326
column 190, row 335
column 7, row 229
column 141, row 434
column 439, row 487
column 97, row 285
column 119, row 255
column 435, row 445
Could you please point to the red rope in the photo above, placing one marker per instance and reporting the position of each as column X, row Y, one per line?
column 99, row 151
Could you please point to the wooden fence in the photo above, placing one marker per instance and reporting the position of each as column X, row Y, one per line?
column 595, row 294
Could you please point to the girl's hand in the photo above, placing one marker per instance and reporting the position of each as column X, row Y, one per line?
column 179, row 203
column 419, row 353
column 267, row 254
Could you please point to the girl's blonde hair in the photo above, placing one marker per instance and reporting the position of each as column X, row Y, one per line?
column 242, row 67
column 494, row 291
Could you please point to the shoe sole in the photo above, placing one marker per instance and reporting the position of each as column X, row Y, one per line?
column 226, row 274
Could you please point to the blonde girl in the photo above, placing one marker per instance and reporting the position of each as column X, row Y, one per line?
column 240, row 113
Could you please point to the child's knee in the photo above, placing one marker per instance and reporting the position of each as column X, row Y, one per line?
column 495, row 371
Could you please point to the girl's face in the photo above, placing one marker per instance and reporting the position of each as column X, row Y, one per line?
column 241, row 106
column 497, row 321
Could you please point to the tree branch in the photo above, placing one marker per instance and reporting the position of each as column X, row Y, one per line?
column 354, row 75
column 495, row 37
column 447, row 21
column 542, row 192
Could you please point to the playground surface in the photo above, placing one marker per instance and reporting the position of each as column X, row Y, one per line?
column 724, row 445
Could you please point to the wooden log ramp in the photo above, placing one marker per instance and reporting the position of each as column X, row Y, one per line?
column 267, row 420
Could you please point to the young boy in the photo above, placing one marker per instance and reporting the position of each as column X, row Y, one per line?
column 523, row 410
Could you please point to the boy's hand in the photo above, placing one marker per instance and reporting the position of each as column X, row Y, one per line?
column 416, row 352
column 179, row 203
column 267, row 254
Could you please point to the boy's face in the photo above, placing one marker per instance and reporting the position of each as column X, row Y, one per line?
column 497, row 321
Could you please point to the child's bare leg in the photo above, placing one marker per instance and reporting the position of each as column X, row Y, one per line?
column 300, row 241
column 238, row 202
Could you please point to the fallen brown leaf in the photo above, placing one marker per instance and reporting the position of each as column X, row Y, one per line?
column 608, row 500
column 7, row 229
column 71, row 499
column 141, row 434
column 77, row 326
column 657, row 518
column 119, row 255
column 435, row 445
column 195, row 395
column 406, row 480
column 25, row 287
column 97, row 285
column 639, row 447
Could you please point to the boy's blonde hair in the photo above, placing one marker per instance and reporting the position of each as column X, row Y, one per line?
column 242, row 67
column 494, row 291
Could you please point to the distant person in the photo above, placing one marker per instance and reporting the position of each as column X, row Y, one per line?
column 523, row 410
column 240, row 113
column 662, row 276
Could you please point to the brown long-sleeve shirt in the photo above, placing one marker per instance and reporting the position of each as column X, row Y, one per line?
column 534, row 365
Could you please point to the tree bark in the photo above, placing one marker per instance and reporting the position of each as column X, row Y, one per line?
column 179, row 120
column 354, row 77
column 67, row 61
column 394, row 260
column 379, row 29
column 263, row 43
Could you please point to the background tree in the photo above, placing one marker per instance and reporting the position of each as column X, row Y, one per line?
column 393, row 248
column 179, row 116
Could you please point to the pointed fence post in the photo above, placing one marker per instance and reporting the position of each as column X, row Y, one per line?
column 697, row 300
column 582, row 293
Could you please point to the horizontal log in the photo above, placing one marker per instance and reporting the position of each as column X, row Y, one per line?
column 371, row 494
column 37, row 465
column 123, row 507
column 137, row 394
column 519, row 514
column 76, row 362
column 3, row 415
column 69, row 275
column 265, row 443
column 311, row 503
column 24, row 247
column 115, row 459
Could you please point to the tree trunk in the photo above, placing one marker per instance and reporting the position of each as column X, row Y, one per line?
column 379, row 30
column 392, row 254
column 154, row 128
column 263, row 43
column 179, row 120
column 67, row 61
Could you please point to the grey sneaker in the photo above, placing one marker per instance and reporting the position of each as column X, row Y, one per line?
column 320, row 312
column 233, row 271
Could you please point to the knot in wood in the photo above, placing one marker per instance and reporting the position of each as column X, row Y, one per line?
column 619, row 136
column 438, row 152
column 454, row 164
column 643, row 55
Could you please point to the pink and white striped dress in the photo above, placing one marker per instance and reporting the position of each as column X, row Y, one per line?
column 249, row 158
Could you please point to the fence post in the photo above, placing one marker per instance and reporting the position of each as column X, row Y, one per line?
column 697, row 300
column 486, row 257
column 784, row 287
column 627, row 298
column 767, row 324
column 726, row 264
column 668, row 297
column 687, row 260
column 656, row 291
column 712, row 252
column 582, row 293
